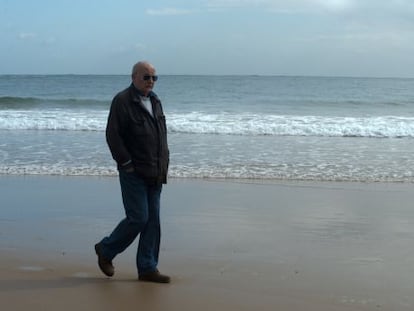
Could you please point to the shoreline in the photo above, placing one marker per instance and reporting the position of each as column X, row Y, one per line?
column 227, row 245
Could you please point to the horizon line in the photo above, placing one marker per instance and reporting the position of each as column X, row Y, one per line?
column 215, row 75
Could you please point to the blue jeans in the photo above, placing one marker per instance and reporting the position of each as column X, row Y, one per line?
column 142, row 209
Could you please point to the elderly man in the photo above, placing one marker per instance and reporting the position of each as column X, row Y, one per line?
column 137, row 138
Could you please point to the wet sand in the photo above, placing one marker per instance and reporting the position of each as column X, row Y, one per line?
column 227, row 245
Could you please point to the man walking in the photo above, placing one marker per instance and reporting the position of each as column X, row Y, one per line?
column 136, row 134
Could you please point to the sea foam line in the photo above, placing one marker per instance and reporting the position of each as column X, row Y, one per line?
column 221, row 124
column 225, row 173
column 286, row 125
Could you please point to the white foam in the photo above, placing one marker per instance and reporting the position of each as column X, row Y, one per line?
column 57, row 169
column 283, row 125
column 53, row 120
column 221, row 123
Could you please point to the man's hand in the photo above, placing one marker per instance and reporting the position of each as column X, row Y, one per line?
column 130, row 169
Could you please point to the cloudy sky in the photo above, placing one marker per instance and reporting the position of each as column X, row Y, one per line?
column 269, row 37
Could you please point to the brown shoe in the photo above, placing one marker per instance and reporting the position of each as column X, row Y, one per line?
column 105, row 265
column 155, row 277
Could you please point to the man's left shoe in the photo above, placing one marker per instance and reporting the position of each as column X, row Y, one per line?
column 105, row 265
column 155, row 277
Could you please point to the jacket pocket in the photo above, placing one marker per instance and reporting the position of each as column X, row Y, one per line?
column 138, row 127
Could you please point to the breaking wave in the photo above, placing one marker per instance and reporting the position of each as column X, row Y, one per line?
column 245, row 124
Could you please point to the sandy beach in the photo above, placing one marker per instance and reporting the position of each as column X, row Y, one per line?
column 228, row 245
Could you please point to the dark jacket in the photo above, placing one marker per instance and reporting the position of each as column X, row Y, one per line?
column 137, row 139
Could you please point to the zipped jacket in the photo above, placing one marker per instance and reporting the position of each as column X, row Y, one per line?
column 137, row 139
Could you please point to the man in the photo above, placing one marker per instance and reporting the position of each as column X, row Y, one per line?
column 137, row 137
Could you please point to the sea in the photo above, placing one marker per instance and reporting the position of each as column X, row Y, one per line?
column 257, row 128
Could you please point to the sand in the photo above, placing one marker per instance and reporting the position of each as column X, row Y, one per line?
column 228, row 245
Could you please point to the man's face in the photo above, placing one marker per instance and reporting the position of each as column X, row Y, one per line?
column 144, row 79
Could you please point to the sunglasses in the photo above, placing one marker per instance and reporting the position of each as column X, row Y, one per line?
column 148, row 77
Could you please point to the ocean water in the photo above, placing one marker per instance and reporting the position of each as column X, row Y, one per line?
column 236, row 127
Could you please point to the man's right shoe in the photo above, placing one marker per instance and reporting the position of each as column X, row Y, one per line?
column 105, row 265
column 155, row 277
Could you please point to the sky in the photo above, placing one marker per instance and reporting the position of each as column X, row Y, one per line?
column 370, row 38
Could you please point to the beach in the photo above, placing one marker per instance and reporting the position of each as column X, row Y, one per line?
column 227, row 244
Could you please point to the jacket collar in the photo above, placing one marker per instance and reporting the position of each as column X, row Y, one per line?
column 137, row 93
